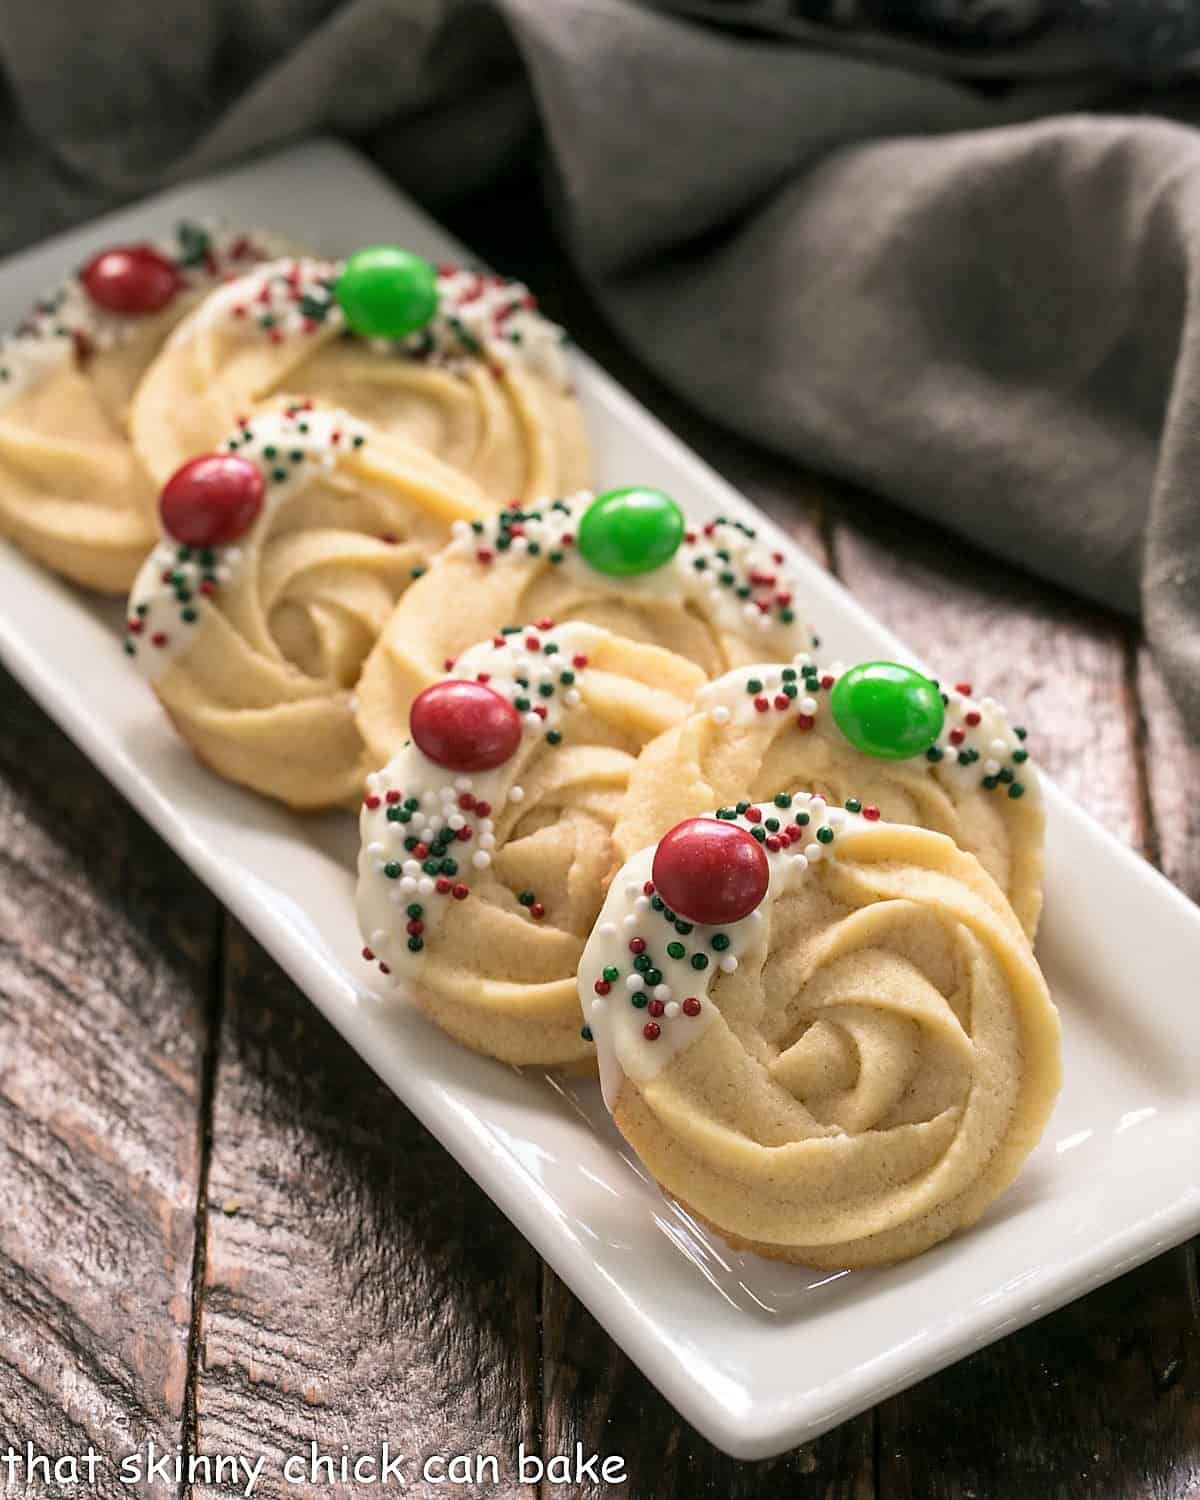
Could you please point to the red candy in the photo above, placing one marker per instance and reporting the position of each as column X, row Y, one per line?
column 211, row 500
column 465, row 726
column 710, row 870
column 130, row 279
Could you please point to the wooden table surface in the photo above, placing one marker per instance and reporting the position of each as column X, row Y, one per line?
column 219, row 1231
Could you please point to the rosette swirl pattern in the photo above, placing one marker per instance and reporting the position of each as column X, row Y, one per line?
column 486, row 386
column 479, row 883
column 763, row 729
column 72, row 492
column 864, row 1070
column 717, row 597
column 254, row 645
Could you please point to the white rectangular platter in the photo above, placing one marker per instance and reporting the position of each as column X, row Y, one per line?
column 758, row 1356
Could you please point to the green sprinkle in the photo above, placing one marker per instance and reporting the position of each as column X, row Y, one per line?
column 611, row 973
column 639, row 999
column 553, row 737
column 676, row 950
column 720, row 941
column 414, row 911
column 392, row 870
column 853, row 804
column 699, row 960
column 586, row 1033
column 1016, row 790
column 825, row 835
column 753, row 685
column 783, row 799
column 526, row 898
column 415, row 944
column 802, row 819
column 653, row 977
column 1020, row 756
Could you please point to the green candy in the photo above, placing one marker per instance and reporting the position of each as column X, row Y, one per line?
column 386, row 292
column 630, row 531
column 887, row 710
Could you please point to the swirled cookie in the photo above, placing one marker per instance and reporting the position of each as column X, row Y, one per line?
column 486, row 841
column 912, row 752
column 627, row 560
column 484, row 382
column 283, row 557
column 827, row 1037
column 72, row 493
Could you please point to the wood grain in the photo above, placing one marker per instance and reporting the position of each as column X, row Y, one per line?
column 106, row 948
column 358, row 1286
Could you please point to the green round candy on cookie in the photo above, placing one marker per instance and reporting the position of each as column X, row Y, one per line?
column 386, row 292
column 630, row 531
column 887, row 710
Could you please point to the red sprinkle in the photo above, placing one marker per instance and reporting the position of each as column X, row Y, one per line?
column 772, row 843
column 532, row 643
column 656, row 1007
column 761, row 704
column 135, row 626
column 415, row 928
column 964, row 688
column 781, row 700
column 372, row 802
column 393, row 796
column 485, row 554
column 637, row 945
column 973, row 718
column 957, row 735
column 368, row 955
column 484, row 809
column 466, row 800
column 545, row 623
column 871, row 813
column 652, row 1031
column 460, row 891
column 827, row 681
column 464, row 835
column 159, row 638
column 442, row 886
column 579, row 661
column 602, row 986
column 421, row 851
column 648, row 888
column 483, row 677
column 537, row 910
column 805, row 721
column 752, row 814
column 691, row 1006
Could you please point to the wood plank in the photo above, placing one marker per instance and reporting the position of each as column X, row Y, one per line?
column 106, row 946
column 358, row 1286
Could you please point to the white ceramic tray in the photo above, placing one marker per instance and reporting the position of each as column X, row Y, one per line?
column 758, row 1356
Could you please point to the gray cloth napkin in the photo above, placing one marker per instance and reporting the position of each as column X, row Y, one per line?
column 967, row 298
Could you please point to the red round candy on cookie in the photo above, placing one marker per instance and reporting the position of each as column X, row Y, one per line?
column 212, row 500
column 709, row 870
column 464, row 726
column 130, row 279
